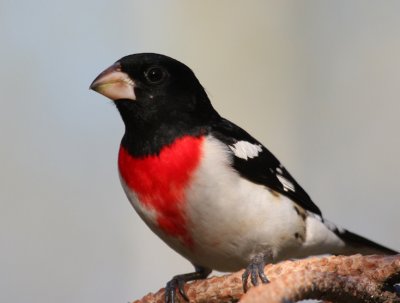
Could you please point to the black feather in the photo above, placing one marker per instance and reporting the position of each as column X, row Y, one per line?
column 360, row 244
column 263, row 169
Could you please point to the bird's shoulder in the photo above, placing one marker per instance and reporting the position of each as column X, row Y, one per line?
column 257, row 164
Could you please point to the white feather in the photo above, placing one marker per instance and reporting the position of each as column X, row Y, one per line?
column 245, row 150
column 320, row 239
column 287, row 185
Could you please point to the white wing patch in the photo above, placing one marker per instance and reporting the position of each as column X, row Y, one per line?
column 245, row 150
column 287, row 185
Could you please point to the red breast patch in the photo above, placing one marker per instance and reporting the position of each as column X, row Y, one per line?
column 160, row 181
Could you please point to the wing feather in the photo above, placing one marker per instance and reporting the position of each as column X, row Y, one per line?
column 256, row 163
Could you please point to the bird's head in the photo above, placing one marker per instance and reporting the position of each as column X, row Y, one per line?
column 156, row 89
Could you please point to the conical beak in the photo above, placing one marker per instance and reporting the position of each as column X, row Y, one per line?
column 114, row 84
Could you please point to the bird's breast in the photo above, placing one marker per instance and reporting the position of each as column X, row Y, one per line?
column 158, row 184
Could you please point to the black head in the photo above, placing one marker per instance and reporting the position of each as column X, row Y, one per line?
column 156, row 96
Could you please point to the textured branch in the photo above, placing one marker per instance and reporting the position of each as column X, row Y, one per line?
column 338, row 279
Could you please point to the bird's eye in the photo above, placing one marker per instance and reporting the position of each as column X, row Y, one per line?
column 155, row 75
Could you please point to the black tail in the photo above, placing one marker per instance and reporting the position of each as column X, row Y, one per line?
column 358, row 244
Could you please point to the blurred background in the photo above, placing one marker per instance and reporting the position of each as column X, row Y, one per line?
column 316, row 81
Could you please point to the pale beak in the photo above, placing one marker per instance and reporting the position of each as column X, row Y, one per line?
column 114, row 84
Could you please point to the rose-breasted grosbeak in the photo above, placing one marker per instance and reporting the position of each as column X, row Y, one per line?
column 205, row 186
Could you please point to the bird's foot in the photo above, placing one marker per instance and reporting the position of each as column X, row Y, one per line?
column 396, row 288
column 178, row 282
column 255, row 270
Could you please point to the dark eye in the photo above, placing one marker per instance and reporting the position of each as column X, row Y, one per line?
column 155, row 75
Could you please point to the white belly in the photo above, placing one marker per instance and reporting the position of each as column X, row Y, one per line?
column 232, row 219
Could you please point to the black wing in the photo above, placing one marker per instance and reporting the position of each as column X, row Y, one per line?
column 264, row 168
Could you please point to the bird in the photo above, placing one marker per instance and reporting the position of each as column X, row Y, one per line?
column 206, row 187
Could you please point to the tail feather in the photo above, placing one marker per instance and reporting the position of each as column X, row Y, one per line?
column 359, row 244
column 354, row 243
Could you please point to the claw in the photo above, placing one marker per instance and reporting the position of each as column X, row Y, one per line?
column 254, row 274
column 261, row 273
column 396, row 288
column 181, row 288
column 170, row 290
column 178, row 282
column 255, row 270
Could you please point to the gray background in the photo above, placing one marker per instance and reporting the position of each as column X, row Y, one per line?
column 316, row 81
